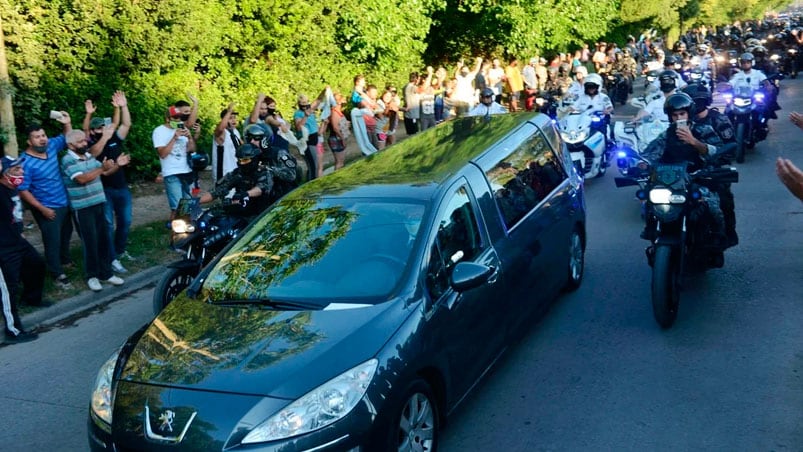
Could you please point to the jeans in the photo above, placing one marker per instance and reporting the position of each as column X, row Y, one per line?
column 177, row 186
column 95, row 238
column 56, row 238
column 311, row 158
column 118, row 203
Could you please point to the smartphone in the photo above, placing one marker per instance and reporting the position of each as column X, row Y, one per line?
column 681, row 123
column 107, row 122
column 56, row 115
column 180, row 125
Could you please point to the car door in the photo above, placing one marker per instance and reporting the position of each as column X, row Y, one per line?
column 467, row 326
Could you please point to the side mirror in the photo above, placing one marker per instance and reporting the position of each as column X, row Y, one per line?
column 468, row 275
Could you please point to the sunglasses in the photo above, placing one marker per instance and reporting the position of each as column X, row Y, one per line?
column 304, row 107
column 484, row 97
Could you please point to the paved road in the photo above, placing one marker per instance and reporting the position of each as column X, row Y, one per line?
column 595, row 374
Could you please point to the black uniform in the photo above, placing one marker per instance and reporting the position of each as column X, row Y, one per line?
column 17, row 254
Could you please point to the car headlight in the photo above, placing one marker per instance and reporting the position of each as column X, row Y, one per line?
column 102, row 397
column 182, row 226
column 318, row 408
column 665, row 196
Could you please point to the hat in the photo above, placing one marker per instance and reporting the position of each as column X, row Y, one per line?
column 533, row 60
column 96, row 123
column 9, row 163
column 173, row 112
column 542, row 60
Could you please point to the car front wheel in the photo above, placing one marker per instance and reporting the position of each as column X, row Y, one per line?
column 414, row 425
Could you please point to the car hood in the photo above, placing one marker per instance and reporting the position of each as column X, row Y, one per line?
column 248, row 349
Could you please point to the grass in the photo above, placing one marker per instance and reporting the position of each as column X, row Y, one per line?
column 148, row 244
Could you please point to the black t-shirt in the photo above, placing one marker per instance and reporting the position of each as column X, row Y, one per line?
column 10, row 218
column 112, row 150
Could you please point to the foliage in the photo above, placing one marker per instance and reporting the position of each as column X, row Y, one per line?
column 61, row 52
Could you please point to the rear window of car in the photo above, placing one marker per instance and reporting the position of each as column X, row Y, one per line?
column 331, row 249
column 524, row 178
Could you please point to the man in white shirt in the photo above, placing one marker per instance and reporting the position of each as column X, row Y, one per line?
column 174, row 142
column 227, row 140
column 747, row 75
column 487, row 106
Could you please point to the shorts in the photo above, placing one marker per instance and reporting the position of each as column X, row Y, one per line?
column 177, row 186
column 336, row 143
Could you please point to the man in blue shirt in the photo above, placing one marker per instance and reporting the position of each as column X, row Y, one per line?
column 43, row 190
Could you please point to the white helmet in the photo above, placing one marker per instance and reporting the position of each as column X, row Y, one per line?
column 593, row 78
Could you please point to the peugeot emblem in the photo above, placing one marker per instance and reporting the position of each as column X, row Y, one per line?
column 167, row 421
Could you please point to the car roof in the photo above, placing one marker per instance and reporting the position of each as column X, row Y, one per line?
column 417, row 166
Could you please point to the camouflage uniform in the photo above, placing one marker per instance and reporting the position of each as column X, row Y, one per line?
column 282, row 166
column 667, row 148
column 720, row 123
column 241, row 182
column 627, row 66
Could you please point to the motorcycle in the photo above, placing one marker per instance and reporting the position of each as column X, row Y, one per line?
column 747, row 111
column 547, row 103
column 618, row 87
column 632, row 139
column 584, row 135
column 683, row 233
column 201, row 234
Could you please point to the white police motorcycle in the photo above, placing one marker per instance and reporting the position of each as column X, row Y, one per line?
column 583, row 133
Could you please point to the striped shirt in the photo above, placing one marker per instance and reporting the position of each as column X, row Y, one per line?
column 82, row 195
column 43, row 176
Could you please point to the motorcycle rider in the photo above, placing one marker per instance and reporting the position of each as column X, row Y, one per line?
column 487, row 106
column 724, row 129
column 669, row 66
column 593, row 100
column 627, row 66
column 576, row 88
column 756, row 80
column 695, row 143
column 251, row 183
column 667, row 85
column 277, row 159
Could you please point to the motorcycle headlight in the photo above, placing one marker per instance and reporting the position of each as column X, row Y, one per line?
column 759, row 97
column 775, row 57
column 318, row 408
column 733, row 61
column 741, row 101
column 792, row 51
column 665, row 196
column 539, row 101
column 102, row 397
column 182, row 226
column 574, row 137
column 696, row 76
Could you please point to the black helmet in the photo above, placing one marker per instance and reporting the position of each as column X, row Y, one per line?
column 247, row 151
column 678, row 101
column 698, row 91
column 670, row 60
column 258, row 132
column 199, row 161
column 487, row 92
column 747, row 56
column 667, row 81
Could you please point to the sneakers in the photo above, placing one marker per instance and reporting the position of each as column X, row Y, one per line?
column 62, row 282
column 118, row 267
column 114, row 280
column 94, row 284
column 23, row 336
column 126, row 256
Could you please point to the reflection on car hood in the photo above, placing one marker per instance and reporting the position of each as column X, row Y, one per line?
column 252, row 350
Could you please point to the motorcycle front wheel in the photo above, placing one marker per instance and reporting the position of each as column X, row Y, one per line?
column 665, row 287
column 740, row 128
column 172, row 283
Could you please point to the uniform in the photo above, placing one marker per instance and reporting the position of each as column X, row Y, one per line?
column 241, row 182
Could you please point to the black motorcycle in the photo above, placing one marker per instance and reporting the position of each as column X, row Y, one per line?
column 684, row 234
column 201, row 233
column 748, row 111
column 618, row 87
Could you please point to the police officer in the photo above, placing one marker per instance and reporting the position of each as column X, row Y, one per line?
column 724, row 129
column 248, row 186
column 695, row 143
column 627, row 65
column 656, row 101
column 593, row 100
column 278, row 160
column 671, row 62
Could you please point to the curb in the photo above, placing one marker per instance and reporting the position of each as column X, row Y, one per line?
column 89, row 300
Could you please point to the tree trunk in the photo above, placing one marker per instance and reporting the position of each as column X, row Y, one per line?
column 10, row 147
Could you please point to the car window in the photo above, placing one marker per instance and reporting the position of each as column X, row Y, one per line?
column 320, row 250
column 524, row 178
column 457, row 239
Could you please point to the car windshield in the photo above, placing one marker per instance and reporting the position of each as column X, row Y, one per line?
column 320, row 251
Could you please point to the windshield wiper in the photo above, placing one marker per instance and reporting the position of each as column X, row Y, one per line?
column 275, row 304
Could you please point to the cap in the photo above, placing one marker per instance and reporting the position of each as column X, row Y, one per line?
column 173, row 112
column 96, row 123
column 9, row 163
column 533, row 60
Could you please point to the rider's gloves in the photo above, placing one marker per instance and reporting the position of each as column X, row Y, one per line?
column 241, row 198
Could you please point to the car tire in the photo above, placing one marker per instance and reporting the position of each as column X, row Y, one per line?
column 576, row 267
column 414, row 422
